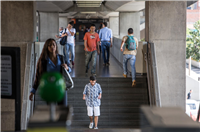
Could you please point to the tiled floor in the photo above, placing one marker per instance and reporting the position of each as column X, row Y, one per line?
column 114, row 70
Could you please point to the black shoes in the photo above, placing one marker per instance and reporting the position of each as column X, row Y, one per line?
column 106, row 64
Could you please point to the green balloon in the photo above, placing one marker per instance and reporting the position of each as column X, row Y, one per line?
column 52, row 87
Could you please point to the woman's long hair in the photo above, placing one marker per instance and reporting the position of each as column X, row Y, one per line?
column 45, row 53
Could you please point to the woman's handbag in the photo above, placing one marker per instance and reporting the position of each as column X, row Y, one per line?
column 63, row 40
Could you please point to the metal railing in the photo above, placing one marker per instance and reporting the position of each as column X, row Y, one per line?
column 152, row 76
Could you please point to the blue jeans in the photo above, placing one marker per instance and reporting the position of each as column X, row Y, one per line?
column 132, row 58
column 105, row 46
column 68, row 48
column 91, row 56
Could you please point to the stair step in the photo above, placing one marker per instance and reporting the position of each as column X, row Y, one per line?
column 109, row 123
column 79, row 96
column 106, row 116
column 114, row 85
column 109, row 78
column 114, row 91
column 110, row 110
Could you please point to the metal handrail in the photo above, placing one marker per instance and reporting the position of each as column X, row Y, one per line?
column 70, row 79
column 152, row 76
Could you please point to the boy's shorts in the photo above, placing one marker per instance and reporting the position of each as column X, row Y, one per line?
column 95, row 110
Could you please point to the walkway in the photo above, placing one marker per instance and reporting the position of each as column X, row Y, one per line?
column 114, row 70
column 194, row 69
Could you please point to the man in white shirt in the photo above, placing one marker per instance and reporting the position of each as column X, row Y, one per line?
column 69, row 46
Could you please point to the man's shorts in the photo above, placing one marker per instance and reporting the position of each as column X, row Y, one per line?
column 95, row 110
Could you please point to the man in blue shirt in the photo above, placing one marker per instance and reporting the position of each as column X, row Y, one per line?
column 105, row 35
column 92, row 95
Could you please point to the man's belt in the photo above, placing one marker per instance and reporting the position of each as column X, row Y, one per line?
column 105, row 41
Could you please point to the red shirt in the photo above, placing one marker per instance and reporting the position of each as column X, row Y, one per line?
column 92, row 40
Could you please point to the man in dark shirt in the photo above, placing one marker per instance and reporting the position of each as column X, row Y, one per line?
column 189, row 94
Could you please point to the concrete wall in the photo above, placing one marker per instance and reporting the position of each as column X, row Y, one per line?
column 114, row 25
column 63, row 22
column 166, row 119
column 116, row 52
column 166, row 27
column 194, row 85
column 17, row 30
column 129, row 20
column 49, row 25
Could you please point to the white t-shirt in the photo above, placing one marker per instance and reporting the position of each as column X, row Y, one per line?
column 70, row 38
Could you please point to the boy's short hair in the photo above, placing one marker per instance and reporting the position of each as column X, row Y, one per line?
column 71, row 23
column 130, row 31
column 93, row 78
column 92, row 25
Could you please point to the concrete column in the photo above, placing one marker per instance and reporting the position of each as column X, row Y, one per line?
column 166, row 27
column 63, row 22
column 129, row 20
column 48, row 25
column 114, row 25
column 17, row 30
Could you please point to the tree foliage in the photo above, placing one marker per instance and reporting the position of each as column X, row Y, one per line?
column 193, row 42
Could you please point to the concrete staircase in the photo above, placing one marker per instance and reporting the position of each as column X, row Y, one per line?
column 119, row 104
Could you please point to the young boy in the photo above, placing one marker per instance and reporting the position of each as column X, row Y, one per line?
column 92, row 95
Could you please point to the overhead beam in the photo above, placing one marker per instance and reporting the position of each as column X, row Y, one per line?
column 75, row 8
column 191, row 2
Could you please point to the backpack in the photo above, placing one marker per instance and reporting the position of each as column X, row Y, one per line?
column 63, row 39
column 130, row 43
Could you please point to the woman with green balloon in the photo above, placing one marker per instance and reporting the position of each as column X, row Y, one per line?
column 49, row 79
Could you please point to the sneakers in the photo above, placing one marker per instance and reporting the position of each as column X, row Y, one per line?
column 91, row 125
column 133, row 83
column 125, row 76
column 95, row 127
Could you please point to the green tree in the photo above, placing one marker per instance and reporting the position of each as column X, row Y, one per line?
column 193, row 42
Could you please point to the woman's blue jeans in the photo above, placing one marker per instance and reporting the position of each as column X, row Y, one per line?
column 131, row 59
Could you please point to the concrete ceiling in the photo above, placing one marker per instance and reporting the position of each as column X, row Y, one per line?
column 132, row 6
column 65, row 5
column 107, row 8
column 53, row 6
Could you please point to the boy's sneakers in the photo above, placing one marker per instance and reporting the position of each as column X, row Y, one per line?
column 91, row 125
column 95, row 127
